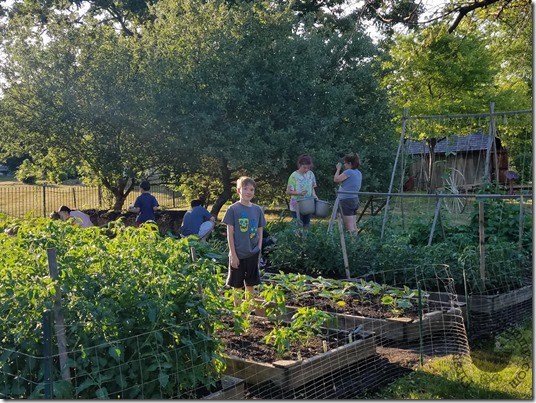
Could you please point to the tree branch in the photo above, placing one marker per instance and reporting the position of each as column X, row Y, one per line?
column 464, row 10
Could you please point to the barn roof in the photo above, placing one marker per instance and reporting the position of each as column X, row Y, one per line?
column 473, row 142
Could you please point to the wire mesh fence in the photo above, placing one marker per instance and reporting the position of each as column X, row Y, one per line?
column 370, row 352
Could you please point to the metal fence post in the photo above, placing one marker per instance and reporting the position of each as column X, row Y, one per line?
column 99, row 195
column 74, row 197
column 421, row 330
column 47, row 353
column 44, row 199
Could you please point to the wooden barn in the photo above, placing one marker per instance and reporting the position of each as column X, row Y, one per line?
column 462, row 157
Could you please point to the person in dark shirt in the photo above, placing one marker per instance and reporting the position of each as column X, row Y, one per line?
column 145, row 205
column 197, row 221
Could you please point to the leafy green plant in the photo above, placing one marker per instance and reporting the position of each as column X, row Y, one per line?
column 274, row 302
column 138, row 311
column 305, row 323
column 292, row 283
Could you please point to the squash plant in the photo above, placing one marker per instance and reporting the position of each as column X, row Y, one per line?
column 337, row 292
column 138, row 311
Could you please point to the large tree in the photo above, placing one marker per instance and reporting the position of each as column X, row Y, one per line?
column 434, row 72
column 205, row 90
column 266, row 90
column 80, row 89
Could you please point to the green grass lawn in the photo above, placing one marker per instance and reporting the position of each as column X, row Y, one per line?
column 459, row 378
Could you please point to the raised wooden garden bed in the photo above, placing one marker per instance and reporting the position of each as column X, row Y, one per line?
column 489, row 304
column 291, row 374
column 487, row 313
column 401, row 330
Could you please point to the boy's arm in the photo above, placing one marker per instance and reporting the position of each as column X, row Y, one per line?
column 233, row 257
column 134, row 208
column 259, row 232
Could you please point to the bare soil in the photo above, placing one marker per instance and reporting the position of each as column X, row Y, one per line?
column 370, row 307
column 168, row 221
column 251, row 345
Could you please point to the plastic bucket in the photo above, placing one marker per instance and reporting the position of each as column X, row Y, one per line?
column 307, row 206
column 322, row 208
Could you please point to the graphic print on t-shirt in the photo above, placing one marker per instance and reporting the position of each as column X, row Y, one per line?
column 243, row 222
column 253, row 229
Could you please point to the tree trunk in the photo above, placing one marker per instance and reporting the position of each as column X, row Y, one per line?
column 121, row 191
column 119, row 201
column 227, row 189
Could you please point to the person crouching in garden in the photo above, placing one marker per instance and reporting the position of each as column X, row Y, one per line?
column 79, row 218
column 197, row 221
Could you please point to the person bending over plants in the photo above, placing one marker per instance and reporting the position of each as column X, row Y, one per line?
column 79, row 218
column 245, row 221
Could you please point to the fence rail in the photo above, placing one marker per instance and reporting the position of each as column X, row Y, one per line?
column 19, row 200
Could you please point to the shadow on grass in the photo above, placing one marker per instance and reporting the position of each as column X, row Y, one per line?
column 421, row 385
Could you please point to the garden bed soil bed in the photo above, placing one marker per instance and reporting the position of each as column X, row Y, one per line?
column 399, row 330
column 348, row 305
column 167, row 220
column 248, row 356
column 250, row 345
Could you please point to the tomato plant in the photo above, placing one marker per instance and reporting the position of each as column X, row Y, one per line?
column 137, row 311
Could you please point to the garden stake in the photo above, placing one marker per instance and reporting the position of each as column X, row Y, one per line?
column 420, row 324
column 60, row 322
column 482, row 244
column 343, row 246
column 438, row 207
column 194, row 260
column 333, row 214
column 47, row 353
column 520, row 223
column 467, row 308
column 44, row 200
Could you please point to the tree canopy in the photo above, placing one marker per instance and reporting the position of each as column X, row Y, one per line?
column 204, row 90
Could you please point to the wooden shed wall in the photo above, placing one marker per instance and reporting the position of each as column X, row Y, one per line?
column 471, row 164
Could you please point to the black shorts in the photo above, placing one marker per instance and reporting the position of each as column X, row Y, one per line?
column 247, row 273
column 349, row 206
